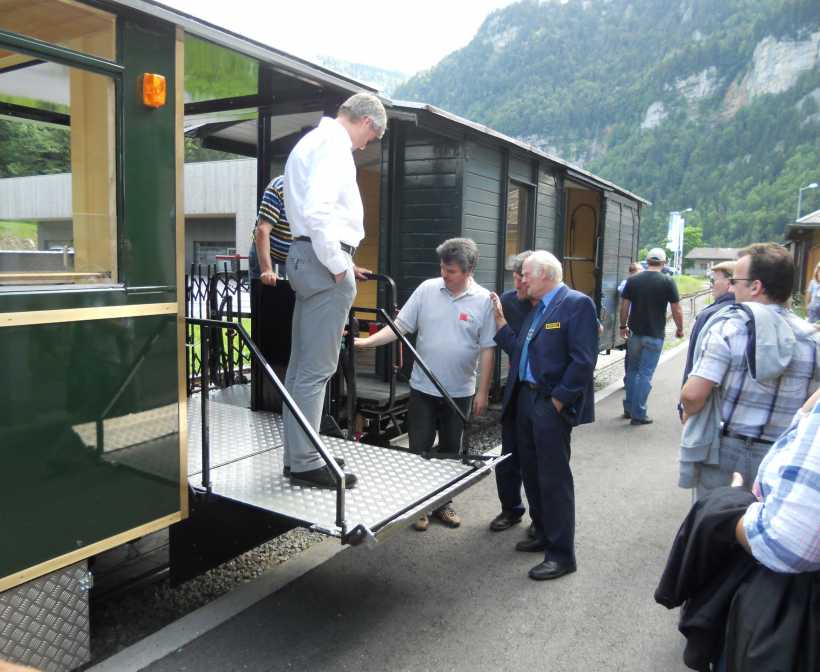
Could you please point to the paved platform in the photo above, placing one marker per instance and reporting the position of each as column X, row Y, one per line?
column 461, row 600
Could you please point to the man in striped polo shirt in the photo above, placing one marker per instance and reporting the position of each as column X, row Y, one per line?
column 271, row 235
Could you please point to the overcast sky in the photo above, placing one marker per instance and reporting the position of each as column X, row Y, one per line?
column 404, row 36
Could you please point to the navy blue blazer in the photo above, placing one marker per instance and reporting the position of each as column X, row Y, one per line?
column 562, row 354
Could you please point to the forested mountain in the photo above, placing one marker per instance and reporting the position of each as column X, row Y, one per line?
column 707, row 104
column 384, row 80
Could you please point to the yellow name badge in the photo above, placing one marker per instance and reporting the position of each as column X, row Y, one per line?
column 552, row 325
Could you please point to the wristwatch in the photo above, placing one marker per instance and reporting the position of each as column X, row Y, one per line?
column 623, row 326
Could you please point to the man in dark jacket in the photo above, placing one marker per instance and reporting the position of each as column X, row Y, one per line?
column 516, row 306
column 549, row 391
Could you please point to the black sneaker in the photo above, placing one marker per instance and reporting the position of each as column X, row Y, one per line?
column 320, row 478
column 339, row 460
column 641, row 421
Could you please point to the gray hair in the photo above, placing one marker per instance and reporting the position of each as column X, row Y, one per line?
column 547, row 265
column 461, row 251
column 517, row 263
column 362, row 105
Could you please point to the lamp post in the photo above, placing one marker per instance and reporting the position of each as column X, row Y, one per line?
column 800, row 191
column 675, row 234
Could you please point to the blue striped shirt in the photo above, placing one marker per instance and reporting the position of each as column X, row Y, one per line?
column 784, row 527
column 272, row 211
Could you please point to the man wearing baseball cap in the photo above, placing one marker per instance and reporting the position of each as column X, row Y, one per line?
column 643, row 319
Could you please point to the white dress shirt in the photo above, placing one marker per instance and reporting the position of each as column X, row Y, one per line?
column 322, row 197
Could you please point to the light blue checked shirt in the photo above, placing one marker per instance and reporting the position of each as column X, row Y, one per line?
column 784, row 527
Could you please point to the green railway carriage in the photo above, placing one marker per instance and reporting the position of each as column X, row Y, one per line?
column 101, row 441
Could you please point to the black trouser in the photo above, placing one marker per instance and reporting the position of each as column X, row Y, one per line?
column 271, row 313
column 508, row 473
column 544, row 451
column 426, row 414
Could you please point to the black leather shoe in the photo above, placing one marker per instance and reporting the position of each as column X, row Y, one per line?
column 339, row 460
column 626, row 416
column 504, row 521
column 550, row 569
column 531, row 546
column 320, row 478
column 641, row 421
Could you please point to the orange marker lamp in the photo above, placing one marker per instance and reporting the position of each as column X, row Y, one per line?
column 153, row 90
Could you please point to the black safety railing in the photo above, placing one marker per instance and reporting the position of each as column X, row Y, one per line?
column 463, row 454
column 211, row 329
column 217, row 292
column 393, row 365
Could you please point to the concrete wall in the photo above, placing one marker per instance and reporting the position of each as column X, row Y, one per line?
column 219, row 190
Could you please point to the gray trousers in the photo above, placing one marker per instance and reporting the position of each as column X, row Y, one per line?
column 319, row 317
column 735, row 455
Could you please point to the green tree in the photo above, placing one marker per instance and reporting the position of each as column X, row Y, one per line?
column 692, row 238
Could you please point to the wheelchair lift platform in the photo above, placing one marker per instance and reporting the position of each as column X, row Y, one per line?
column 246, row 452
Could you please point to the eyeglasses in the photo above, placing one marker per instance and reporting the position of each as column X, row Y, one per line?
column 734, row 281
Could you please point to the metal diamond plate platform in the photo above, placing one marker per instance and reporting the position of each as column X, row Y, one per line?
column 45, row 623
column 246, row 466
column 235, row 433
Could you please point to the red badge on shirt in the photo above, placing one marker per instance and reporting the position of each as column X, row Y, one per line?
column 464, row 317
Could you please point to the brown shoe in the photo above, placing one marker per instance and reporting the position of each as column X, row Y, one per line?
column 422, row 523
column 447, row 516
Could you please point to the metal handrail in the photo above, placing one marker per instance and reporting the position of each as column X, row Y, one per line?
column 349, row 368
column 335, row 471
column 393, row 305
column 436, row 382
column 462, row 453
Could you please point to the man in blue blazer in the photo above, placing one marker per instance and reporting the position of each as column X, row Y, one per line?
column 550, row 391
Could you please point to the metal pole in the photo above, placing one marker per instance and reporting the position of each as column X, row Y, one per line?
column 436, row 382
column 204, row 385
column 313, row 436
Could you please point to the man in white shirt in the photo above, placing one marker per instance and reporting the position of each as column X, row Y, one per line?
column 454, row 320
column 325, row 211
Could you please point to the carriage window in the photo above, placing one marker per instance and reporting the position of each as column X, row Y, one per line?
column 519, row 210
column 68, row 24
column 213, row 72
column 57, row 173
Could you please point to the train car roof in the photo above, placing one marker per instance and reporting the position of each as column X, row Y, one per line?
column 573, row 172
column 321, row 76
column 293, row 65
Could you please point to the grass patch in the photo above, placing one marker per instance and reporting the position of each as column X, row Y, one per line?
column 689, row 284
column 246, row 322
column 23, row 230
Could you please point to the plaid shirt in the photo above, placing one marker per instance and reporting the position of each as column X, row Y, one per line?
column 784, row 528
column 758, row 408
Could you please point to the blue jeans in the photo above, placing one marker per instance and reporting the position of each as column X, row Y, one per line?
column 644, row 353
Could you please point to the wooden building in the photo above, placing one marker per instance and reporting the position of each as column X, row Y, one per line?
column 804, row 238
